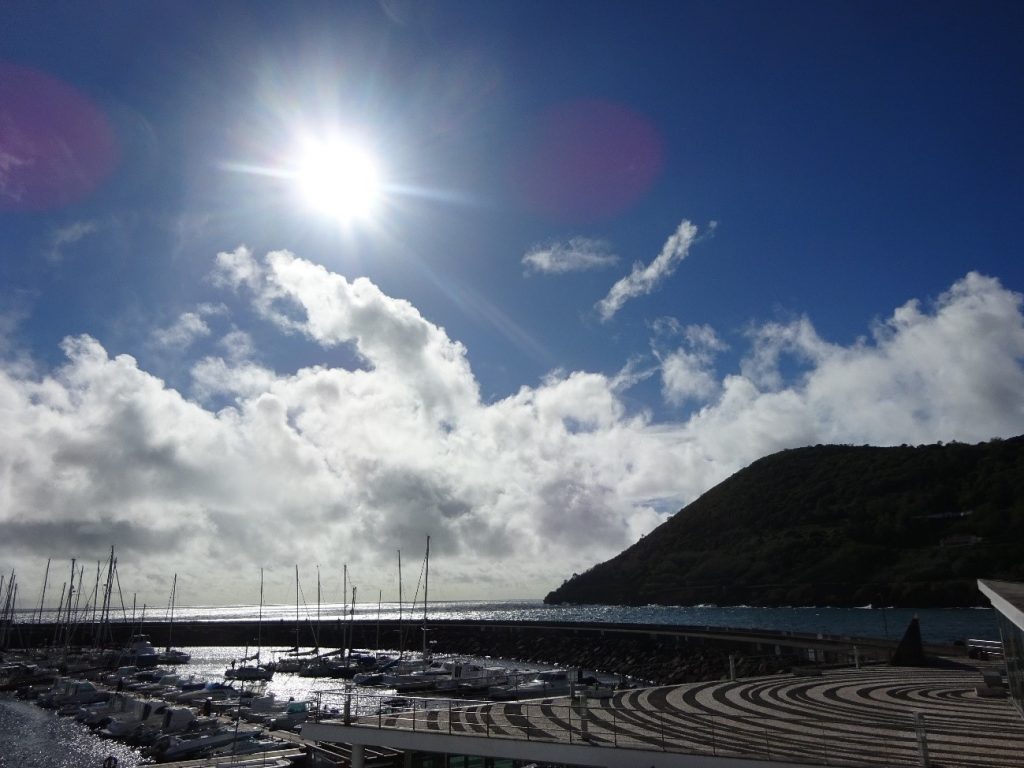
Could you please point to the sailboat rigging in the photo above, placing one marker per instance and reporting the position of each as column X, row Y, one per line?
column 169, row 655
column 255, row 671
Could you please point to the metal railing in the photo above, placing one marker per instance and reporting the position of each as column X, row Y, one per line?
column 984, row 649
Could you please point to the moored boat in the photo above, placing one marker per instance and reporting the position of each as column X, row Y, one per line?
column 551, row 682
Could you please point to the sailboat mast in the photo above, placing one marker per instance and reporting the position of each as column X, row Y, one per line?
column 351, row 621
column 401, row 639
column 296, row 607
column 78, row 600
column 170, row 628
column 344, row 599
column 108, row 594
column 71, row 593
column 60, row 611
column 380, row 599
column 46, row 577
column 426, row 584
column 95, row 599
column 259, row 623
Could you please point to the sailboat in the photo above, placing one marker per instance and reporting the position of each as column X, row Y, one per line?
column 255, row 671
column 296, row 660
column 170, row 655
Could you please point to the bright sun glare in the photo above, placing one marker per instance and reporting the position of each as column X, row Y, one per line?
column 340, row 179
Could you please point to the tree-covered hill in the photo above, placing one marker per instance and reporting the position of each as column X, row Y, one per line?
column 832, row 525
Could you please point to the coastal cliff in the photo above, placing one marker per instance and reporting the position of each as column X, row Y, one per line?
column 832, row 525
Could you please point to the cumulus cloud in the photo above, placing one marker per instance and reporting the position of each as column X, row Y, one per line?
column 576, row 255
column 214, row 376
column 644, row 279
column 686, row 356
column 331, row 464
column 182, row 332
column 389, row 334
column 685, row 376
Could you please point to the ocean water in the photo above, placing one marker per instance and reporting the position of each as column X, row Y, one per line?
column 31, row 737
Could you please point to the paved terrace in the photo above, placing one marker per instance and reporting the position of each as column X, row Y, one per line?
column 849, row 717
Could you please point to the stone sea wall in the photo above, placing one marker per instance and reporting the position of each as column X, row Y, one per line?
column 658, row 654
column 658, row 659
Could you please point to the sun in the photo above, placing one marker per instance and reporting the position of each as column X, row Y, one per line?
column 339, row 178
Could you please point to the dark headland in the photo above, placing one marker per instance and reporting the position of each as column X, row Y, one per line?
column 832, row 525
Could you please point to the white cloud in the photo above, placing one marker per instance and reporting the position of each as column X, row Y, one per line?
column 644, row 279
column 685, row 376
column 10, row 186
column 952, row 373
column 335, row 465
column 389, row 334
column 238, row 344
column 687, row 371
column 576, row 255
column 69, row 235
column 182, row 332
column 213, row 376
column 235, row 268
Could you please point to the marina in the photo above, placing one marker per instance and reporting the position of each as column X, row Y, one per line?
column 749, row 698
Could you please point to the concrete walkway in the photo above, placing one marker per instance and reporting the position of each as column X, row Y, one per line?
column 876, row 716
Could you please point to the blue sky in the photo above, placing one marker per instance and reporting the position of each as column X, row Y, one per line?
column 619, row 252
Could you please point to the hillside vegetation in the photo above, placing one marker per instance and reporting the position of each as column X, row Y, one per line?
column 832, row 525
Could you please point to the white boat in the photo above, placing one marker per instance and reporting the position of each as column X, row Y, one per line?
column 291, row 664
column 174, row 656
column 97, row 716
column 135, row 713
column 144, row 679
column 92, row 714
column 469, row 676
column 141, row 653
column 164, row 720
column 120, row 674
column 551, row 682
column 213, row 690
column 295, row 713
column 251, row 671
column 260, row 709
column 67, row 692
column 398, row 671
column 180, row 746
column 162, row 685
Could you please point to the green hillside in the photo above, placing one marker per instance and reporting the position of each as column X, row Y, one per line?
column 832, row 525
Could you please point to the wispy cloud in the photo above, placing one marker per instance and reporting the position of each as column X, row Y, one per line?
column 10, row 186
column 68, row 235
column 578, row 254
column 644, row 279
